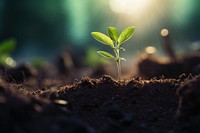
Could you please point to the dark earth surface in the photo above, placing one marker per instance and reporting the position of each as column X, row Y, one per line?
column 30, row 103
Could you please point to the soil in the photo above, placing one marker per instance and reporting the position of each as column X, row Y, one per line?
column 154, row 67
column 33, row 102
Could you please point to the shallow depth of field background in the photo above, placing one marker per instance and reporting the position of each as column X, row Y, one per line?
column 44, row 28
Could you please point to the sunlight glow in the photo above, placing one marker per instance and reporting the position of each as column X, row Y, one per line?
column 129, row 6
column 118, row 6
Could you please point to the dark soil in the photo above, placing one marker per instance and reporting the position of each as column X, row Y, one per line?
column 101, row 105
column 152, row 66
column 31, row 101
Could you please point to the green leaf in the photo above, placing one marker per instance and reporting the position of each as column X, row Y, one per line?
column 102, row 38
column 125, row 35
column 121, row 48
column 3, row 59
column 7, row 46
column 123, row 59
column 106, row 55
column 113, row 33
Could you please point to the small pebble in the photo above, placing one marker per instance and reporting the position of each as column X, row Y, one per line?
column 61, row 102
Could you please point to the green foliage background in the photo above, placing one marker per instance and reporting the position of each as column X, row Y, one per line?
column 45, row 27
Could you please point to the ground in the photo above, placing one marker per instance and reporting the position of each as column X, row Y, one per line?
column 32, row 103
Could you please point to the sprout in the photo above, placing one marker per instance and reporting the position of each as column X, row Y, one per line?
column 114, row 40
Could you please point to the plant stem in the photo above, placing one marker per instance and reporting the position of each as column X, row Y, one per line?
column 119, row 69
column 116, row 50
column 118, row 61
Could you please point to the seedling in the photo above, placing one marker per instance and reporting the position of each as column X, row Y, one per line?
column 114, row 40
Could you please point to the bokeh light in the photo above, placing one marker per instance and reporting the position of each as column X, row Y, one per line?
column 164, row 32
column 10, row 62
column 150, row 50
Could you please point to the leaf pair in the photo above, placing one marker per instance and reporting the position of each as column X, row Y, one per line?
column 113, row 36
column 114, row 40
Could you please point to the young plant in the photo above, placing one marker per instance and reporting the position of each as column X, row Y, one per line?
column 114, row 40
